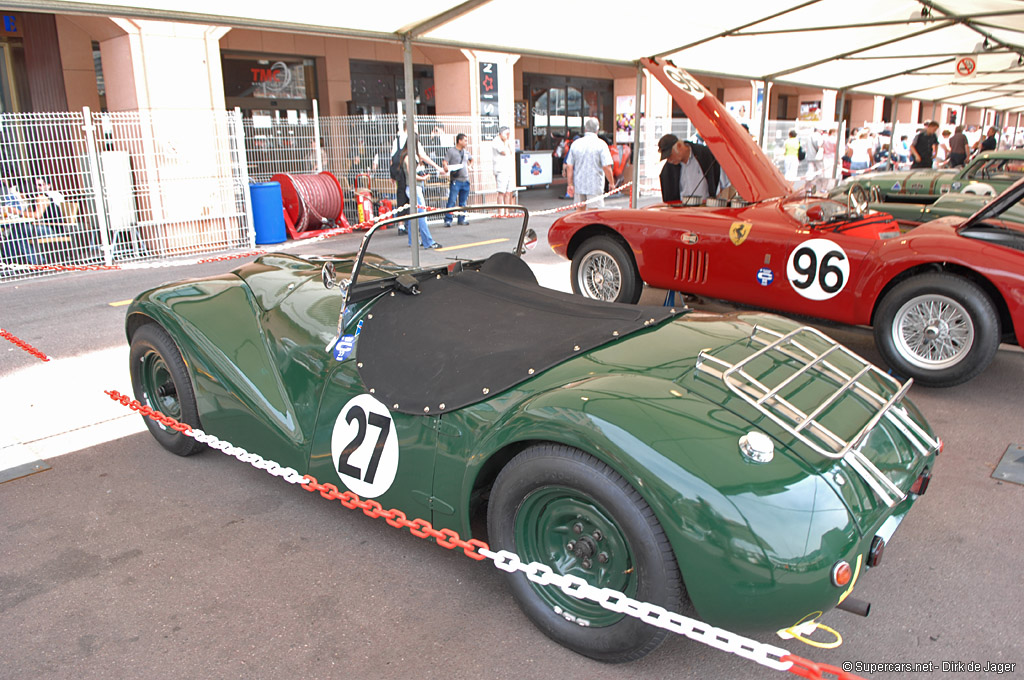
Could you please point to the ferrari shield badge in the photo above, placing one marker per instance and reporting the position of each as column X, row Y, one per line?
column 739, row 231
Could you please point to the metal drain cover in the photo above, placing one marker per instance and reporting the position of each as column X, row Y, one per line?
column 1011, row 467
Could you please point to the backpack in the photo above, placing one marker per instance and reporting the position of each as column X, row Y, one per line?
column 397, row 168
column 800, row 153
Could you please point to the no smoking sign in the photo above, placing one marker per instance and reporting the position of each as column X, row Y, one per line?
column 966, row 66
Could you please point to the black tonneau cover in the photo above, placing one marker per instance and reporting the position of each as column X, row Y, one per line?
column 470, row 336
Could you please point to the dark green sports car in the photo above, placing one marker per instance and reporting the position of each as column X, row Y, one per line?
column 916, row 196
column 750, row 465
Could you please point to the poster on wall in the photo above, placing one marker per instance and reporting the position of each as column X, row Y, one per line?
column 488, row 90
column 740, row 110
column 810, row 110
column 625, row 113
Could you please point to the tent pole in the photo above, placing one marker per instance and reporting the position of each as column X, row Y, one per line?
column 413, row 147
column 634, row 191
column 1013, row 142
column 840, row 142
column 764, row 113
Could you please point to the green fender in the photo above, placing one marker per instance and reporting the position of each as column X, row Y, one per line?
column 751, row 540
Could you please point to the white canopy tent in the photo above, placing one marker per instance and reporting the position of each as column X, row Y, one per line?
column 895, row 48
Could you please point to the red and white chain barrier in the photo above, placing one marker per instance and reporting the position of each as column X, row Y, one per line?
column 24, row 345
column 769, row 656
column 573, row 206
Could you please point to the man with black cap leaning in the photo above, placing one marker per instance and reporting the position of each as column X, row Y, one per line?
column 690, row 170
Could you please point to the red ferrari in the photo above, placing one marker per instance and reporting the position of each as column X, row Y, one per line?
column 941, row 297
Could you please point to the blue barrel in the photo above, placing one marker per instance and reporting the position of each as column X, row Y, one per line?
column 268, row 212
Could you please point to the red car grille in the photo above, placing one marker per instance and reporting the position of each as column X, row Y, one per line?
column 691, row 265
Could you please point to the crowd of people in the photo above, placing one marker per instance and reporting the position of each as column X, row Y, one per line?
column 866, row 149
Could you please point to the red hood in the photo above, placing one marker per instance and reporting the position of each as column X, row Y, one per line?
column 752, row 173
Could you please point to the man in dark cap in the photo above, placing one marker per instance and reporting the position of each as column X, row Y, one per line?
column 690, row 170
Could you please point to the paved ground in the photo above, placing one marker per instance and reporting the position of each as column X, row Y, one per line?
column 123, row 561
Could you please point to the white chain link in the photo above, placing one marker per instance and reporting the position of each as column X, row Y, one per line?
column 573, row 206
column 289, row 475
column 613, row 600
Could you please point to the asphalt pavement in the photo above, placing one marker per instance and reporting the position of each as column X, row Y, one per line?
column 124, row 561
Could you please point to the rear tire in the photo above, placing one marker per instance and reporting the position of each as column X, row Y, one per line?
column 160, row 381
column 937, row 328
column 602, row 269
column 562, row 507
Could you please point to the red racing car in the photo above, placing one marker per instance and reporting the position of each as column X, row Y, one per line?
column 941, row 297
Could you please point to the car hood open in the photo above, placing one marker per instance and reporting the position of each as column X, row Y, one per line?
column 751, row 172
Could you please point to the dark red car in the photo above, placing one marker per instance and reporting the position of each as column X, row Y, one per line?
column 941, row 297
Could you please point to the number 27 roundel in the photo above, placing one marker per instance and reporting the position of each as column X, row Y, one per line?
column 818, row 269
column 364, row 446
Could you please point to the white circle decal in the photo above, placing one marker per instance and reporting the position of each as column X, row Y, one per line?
column 818, row 269
column 364, row 446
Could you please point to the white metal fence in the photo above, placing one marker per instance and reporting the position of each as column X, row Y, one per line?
column 86, row 188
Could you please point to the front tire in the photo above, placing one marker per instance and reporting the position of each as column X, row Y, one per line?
column 160, row 381
column 564, row 508
column 602, row 269
column 939, row 329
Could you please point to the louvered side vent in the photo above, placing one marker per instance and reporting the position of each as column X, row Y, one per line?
column 692, row 265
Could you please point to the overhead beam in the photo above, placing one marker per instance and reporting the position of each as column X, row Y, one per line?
column 931, row 29
column 959, row 18
column 732, row 31
column 428, row 25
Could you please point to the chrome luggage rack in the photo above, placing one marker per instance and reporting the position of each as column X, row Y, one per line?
column 769, row 400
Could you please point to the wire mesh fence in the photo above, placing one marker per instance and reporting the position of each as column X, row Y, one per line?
column 86, row 188
column 80, row 188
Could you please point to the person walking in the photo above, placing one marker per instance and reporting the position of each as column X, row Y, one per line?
column 925, row 146
column 456, row 163
column 588, row 165
column 504, row 164
column 426, row 240
column 791, row 156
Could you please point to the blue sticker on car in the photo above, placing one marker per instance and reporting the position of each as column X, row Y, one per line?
column 343, row 348
column 896, row 186
column 765, row 276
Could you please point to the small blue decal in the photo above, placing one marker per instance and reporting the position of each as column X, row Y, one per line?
column 765, row 276
column 896, row 186
column 343, row 348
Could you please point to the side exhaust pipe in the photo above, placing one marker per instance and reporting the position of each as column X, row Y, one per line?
column 855, row 606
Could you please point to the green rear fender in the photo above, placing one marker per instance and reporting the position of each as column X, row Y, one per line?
column 755, row 542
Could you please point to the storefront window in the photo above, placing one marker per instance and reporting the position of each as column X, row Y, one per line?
column 558, row 105
column 379, row 86
column 250, row 81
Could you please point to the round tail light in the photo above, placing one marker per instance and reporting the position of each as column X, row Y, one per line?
column 841, row 573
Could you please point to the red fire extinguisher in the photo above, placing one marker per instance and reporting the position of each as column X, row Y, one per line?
column 364, row 199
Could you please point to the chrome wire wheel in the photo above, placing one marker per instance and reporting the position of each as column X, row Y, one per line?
column 599, row 276
column 933, row 331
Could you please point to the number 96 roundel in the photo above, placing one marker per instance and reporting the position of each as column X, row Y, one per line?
column 364, row 446
column 818, row 269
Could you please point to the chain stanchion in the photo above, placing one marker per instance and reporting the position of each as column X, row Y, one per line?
column 767, row 655
column 23, row 345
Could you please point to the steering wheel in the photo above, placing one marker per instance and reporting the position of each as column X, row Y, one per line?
column 857, row 199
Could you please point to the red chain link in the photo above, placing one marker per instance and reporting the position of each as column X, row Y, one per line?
column 24, row 345
column 69, row 267
column 134, row 405
column 421, row 528
column 816, row 671
column 224, row 258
